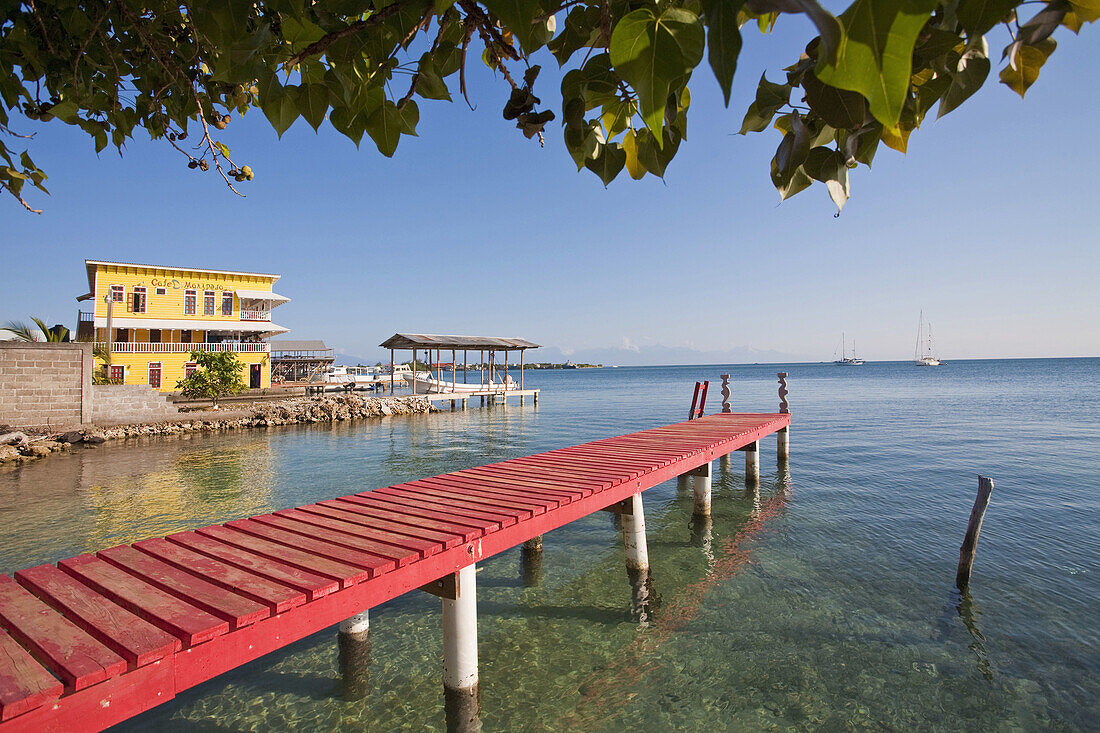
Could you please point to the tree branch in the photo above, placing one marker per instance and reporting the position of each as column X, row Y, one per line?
column 318, row 47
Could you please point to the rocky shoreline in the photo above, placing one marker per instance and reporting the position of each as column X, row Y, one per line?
column 20, row 446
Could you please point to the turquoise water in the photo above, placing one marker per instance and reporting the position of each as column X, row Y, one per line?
column 823, row 601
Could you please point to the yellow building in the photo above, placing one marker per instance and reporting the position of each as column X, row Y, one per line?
column 156, row 316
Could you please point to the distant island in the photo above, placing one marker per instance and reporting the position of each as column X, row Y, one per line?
column 566, row 365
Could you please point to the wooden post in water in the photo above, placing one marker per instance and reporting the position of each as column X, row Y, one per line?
column 701, row 485
column 460, row 679
column 531, row 561
column 783, row 445
column 353, row 641
column 752, row 462
column 970, row 543
column 637, row 552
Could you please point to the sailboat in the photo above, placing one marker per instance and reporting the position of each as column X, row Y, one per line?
column 924, row 336
column 844, row 359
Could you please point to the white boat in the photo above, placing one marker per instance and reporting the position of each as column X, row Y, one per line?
column 338, row 378
column 924, row 356
column 422, row 383
column 844, row 359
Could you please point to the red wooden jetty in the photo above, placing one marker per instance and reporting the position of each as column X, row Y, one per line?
column 96, row 639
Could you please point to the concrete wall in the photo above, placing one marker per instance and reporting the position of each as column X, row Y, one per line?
column 44, row 384
column 119, row 404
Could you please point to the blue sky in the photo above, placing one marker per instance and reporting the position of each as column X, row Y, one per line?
column 987, row 225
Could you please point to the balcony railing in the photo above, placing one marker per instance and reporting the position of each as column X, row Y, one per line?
column 142, row 347
column 85, row 317
column 249, row 315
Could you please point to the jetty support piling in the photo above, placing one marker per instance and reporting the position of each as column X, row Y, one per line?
column 969, row 547
column 701, row 484
column 752, row 462
column 353, row 640
column 633, row 524
column 783, row 445
column 530, row 560
column 460, row 680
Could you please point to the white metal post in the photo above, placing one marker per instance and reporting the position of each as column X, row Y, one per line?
column 460, row 679
column 701, row 483
column 752, row 462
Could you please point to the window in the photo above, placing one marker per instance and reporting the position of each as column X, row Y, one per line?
column 208, row 303
column 227, row 304
column 162, row 291
column 154, row 374
column 189, row 369
column 185, row 336
column 118, row 293
column 189, row 302
column 118, row 373
column 154, row 335
column 138, row 300
column 122, row 335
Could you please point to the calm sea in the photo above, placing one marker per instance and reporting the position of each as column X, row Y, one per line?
column 823, row 601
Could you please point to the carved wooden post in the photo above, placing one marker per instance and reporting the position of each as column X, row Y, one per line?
column 970, row 543
column 784, row 407
column 726, row 393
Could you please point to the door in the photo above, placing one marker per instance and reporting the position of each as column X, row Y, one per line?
column 154, row 374
column 254, row 376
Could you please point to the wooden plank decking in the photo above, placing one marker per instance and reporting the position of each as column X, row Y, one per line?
column 100, row 638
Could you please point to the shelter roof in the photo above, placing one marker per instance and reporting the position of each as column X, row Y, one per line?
column 289, row 345
column 436, row 341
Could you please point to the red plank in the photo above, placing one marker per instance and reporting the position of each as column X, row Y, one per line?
column 275, row 596
column 459, row 508
column 477, row 499
column 425, row 531
column 342, row 572
column 514, row 487
column 436, row 510
column 312, row 584
column 138, row 641
column 399, row 548
column 371, row 563
column 494, row 495
column 191, row 625
column 407, row 516
column 361, row 525
column 236, row 609
column 541, row 481
column 24, row 684
column 59, row 644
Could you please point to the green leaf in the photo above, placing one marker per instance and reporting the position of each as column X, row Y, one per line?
column 827, row 165
column 517, row 16
column 653, row 156
column 972, row 70
column 1025, row 64
column 384, row 126
column 280, row 105
column 633, row 165
column 1087, row 11
column 756, row 119
column 652, row 51
column 978, row 16
column 875, row 55
column 723, row 40
column 313, row 100
column 838, row 107
column 222, row 148
column 410, row 118
column 608, row 163
column 430, row 84
column 351, row 125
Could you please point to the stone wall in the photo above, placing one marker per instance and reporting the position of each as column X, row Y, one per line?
column 45, row 384
column 118, row 404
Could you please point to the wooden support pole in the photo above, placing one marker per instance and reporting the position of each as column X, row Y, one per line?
column 752, row 462
column 783, row 444
column 463, row 403
column 460, row 679
column 637, row 552
column 970, row 543
column 353, row 641
column 392, row 371
column 701, row 481
column 531, row 561
column 724, row 463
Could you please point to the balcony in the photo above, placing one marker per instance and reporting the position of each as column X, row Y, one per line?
column 142, row 347
column 254, row 315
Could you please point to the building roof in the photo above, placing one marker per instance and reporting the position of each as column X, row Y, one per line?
column 435, row 341
column 289, row 345
column 261, row 295
column 91, row 265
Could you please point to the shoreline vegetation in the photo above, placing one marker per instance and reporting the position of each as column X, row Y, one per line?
column 20, row 445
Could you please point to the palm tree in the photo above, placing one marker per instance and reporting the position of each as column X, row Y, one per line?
column 23, row 332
